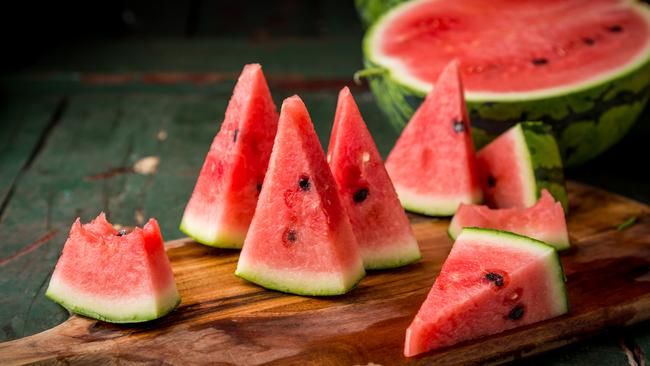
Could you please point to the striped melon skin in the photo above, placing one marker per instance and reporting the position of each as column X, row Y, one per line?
column 587, row 117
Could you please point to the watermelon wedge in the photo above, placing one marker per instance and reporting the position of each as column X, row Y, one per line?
column 432, row 164
column 581, row 66
column 492, row 281
column 378, row 221
column 300, row 240
column 224, row 198
column 544, row 221
column 113, row 275
column 517, row 165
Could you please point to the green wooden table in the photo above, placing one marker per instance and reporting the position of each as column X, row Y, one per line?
column 71, row 129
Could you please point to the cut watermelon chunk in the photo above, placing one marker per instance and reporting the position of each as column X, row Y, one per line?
column 517, row 165
column 378, row 221
column 433, row 164
column 545, row 221
column 300, row 240
column 492, row 281
column 224, row 198
column 112, row 275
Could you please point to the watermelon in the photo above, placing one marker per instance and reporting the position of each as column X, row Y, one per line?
column 518, row 164
column 544, row 221
column 432, row 164
column 112, row 275
column 300, row 240
column 378, row 221
column 492, row 281
column 581, row 66
column 224, row 198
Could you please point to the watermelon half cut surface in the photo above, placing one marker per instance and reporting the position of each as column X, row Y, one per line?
column 300, row 240
column 113, row 275
column 544, row 221
column 492, row 281
column 378, row 221
column 433, row 164
column 224, row 198
column 581, row 66
column 518, row 164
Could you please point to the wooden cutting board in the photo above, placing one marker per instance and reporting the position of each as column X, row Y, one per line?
column 225, row 320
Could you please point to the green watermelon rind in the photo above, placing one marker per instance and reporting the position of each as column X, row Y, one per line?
column 225, row 239
column 543, row 154
column 587, row 118
column 454, row 231
column 173, row 300
column 274, row 280
column 554, row 262
column 434, row 206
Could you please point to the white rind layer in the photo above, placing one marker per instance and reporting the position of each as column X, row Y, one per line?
column 527, row 177
column 403, row 251
column 124, row 309
column 399, row 72
column 434, row 206
column 300, row 282
column 211, row 234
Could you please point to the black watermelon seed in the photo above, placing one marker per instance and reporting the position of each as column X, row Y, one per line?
column 539, row 61
column 360, row 195
column 459, row 126
column 304, row 184
column 588, row 41
column 291, row 236
column 258, row 186
column 235, row 134
column 615, row 28
column 516, row 313
column 122, row 232
column 491, row 181
column 495, row 277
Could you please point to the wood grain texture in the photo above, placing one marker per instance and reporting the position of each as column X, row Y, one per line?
column 225, row 320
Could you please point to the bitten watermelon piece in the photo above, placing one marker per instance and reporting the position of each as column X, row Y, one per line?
column 113, row 275
column 545, row 221
column 224, row 198
column 492, row 281
column 300, row 240
column 378, row 221
column 433, row 165
column 518, row 164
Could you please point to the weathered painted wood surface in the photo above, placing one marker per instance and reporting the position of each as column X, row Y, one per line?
column 223, row 319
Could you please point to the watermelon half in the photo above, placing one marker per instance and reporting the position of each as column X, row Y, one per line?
column 378, row 221
column 544, row 221
column 433, row 164
column 492, row 281
column 581, row 66
column 517, row 165
column 113, row 275
column 224, row 198
column 300, row 240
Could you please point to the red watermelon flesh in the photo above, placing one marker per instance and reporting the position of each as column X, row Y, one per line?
column 545, row 221
column 114, row 276
column 514, row 38
column 433, row 164
column 224, row 198
column 492, row 281
column 379, row 223
column 300, row 240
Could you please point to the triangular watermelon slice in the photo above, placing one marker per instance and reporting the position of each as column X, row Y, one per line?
column 114, row 275
column 492, row 281
column 224, row 198
column 300, row 240
column 518, row 164
column 433, row 164
column 545, row 221
column 379, row 223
